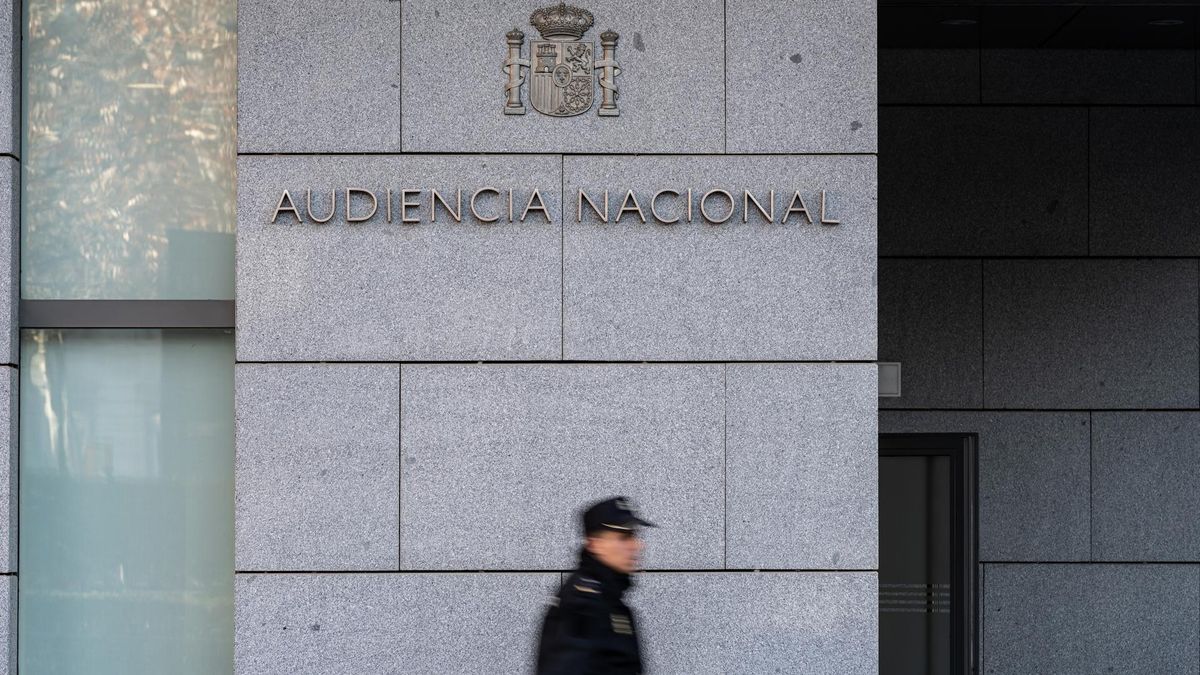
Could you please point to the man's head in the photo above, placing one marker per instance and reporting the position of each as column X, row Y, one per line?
column 611, row 527
column 619, row 551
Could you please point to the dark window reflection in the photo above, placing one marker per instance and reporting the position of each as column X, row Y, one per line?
column 915, row 562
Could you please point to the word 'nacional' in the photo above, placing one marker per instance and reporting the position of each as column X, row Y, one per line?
column 490, row 205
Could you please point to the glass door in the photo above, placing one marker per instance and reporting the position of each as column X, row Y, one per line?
column 927, row 554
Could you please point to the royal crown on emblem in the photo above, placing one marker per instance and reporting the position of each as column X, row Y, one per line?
column 561, row 21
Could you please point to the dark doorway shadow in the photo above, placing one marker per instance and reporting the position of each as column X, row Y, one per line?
column 927, row 554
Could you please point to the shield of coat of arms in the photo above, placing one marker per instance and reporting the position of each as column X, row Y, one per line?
column 562, row 67
column 561, row 82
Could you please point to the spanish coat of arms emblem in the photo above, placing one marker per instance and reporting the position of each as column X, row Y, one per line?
column 562, row 65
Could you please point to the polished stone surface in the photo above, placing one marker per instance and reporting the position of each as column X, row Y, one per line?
column 317, row 76
column 10, row 253
column 1096, row 76
column 498, row 459
column 671, row 92
column 1034, row 478
column 928, row 76
column 750, row 623
column 1090, row 334
column 1144, row 173
column 1146, row 486
column 732, row 291
column 803, row 462
column 474, row 624
column 801, row 76
column 8, row 624
column 1091, row 619
column 317, row 466
column 9, row 384
column 379, row 291
column 967, row 181
column 931, row 321
column 10, row 79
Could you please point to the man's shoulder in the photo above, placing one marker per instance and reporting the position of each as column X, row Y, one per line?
column 581, row 586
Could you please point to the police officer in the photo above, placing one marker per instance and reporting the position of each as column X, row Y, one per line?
column 588, row 629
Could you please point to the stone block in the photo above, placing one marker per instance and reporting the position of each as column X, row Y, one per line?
column 388, row 623
column 8, row 624
column 731, row 291
column 1034, row 478
column 931, row 321
column 1024, row 3
column 802, row 468
column 768, row 622
column 10, row 79
column 318, row 76
column 498, row 459
column 671, row 92
column 10, row 252
column 1090, row 334
column 317, row 466
column 983, row 181
column 1095, row 76
column 380, row 291
column 9, row 387
column 928, row 76
column 1146, row 486
column 801, row 76
column 1091, row 619
column 1143, row 172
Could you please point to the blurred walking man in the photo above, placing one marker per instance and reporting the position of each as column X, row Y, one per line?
column 588, row 629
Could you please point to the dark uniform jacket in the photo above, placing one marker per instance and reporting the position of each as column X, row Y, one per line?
column 587, row 629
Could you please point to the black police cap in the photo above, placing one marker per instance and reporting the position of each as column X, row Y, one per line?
column 615, row 513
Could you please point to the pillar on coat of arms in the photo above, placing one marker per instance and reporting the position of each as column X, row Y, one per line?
column 608, row 71
column 512, row 65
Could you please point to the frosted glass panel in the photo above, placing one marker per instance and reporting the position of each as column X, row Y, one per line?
column 126, row 502
column 129, row 149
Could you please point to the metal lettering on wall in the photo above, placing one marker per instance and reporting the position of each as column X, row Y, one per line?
column 358, row 205
column 563, row 65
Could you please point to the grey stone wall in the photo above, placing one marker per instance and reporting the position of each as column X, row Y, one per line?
column 10, row 250
column 1039, row 283
column 422, row 408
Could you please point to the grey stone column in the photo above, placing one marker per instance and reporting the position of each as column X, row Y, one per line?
column 10, row 228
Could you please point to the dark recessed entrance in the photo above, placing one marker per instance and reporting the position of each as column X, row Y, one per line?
column 927, row 554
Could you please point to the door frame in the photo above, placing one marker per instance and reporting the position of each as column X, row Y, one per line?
column 962, row 449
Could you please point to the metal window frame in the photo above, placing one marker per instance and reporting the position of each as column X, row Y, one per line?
column 962, row 449
column 127, row 314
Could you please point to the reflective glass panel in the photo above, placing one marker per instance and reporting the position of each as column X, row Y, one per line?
column 915, row 559
column 129, row 151
column 126, row 502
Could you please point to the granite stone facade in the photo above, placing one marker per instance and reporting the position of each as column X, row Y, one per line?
column 10, row 231
column 422, row 406
column 1039, row 284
